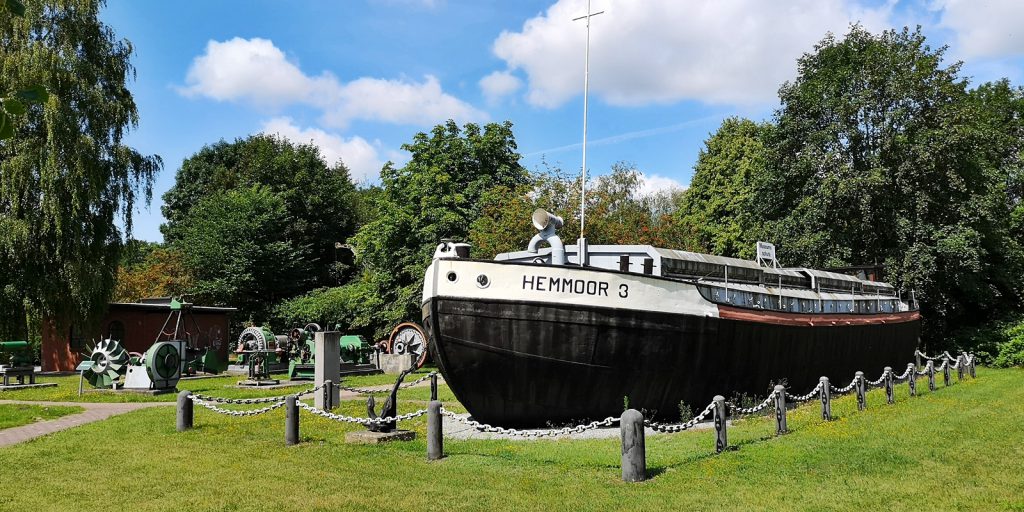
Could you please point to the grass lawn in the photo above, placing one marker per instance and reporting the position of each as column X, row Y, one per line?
column 960, row 448
column 16, row 415
column 223, row 386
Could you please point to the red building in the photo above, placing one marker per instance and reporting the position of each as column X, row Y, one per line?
column 137, row 326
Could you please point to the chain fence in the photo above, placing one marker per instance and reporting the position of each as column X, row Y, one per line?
column 405, row 385
column 483, row 427
column 813, row 394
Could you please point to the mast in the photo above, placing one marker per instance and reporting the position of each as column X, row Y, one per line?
column 581, row 244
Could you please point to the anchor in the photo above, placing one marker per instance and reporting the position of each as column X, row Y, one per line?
column 390, row 409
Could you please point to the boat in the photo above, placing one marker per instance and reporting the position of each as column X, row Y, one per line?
column 549, row 336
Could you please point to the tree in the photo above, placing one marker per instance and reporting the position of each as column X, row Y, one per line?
column 154, row 271
column 320, row 200
column 876, row 159
column 234, row 247
column 718, row 203
column 65, row 175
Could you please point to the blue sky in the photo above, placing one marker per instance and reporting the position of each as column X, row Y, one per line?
column 359, row 78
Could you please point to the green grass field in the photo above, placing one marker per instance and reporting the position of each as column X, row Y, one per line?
column 16, row 415
column 959, row 448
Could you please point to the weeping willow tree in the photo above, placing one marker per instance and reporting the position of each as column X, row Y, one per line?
column 66, row 177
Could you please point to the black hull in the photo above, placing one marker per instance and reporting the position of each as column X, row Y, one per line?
column 529, row 364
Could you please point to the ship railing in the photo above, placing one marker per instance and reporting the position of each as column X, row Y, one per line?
column 632, row 423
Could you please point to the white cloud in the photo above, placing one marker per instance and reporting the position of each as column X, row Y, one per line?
column 255, row 70
column 984, row 29
column 359, row 156
column 653, row 184
column 499, row 84
column 662, row 51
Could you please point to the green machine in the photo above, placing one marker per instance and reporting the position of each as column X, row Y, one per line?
column 105, row 364
column 15, row 354
column 354, row 350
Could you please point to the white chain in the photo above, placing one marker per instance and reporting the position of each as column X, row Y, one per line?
column 847, row 388
column 363, row 421
column 905, row 375
column 813, row 394
column 752, row 410
column 923, row 356
column 661, row 427
column 267, row 400
column 483, row 427
column 365, row 391
column 941, row 367
column 229, row 412
column 879, row 381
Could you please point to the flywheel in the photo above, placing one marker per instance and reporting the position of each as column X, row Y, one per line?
column 409, row 338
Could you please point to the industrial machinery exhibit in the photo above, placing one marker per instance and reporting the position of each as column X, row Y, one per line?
column 16, row 360
column 109, row 365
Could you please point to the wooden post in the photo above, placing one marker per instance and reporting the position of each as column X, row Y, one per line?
column 945, row 371
column 780, row 410
column 826, row 399
column 862, row 401
column 433, row 386
column 931, row 375
column 973, row 373
column 186, row 414
column 720, row 414
column 912, row 381
column 917, row 359
column 960, row 362
column 889, row 385
column 291, row 421
column 634, row 456
column 435, row 431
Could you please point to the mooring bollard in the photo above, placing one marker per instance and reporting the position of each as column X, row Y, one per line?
column 291, row 421
column 862, row 399
column 435, row 431
column 185, row 411
column 780, row 410
column 634, row 456
column 720, row 415
column 931, row 375
column 945, row 372
column 826, row 399
column 912, row 381
column 960, row 362
column 889, row 385
column 329, row 395
column 433, row 385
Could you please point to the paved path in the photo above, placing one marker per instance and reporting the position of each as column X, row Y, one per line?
column 93, row 412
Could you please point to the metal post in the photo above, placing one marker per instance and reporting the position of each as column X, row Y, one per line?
column 433, row 385
column 912, row 381
column 826, row 399
column 945, row 371
column 328, row 392
column 862, row 402
column 186, row 412
column 634, row 456
column 889, row 386
column 435, row 431
column 780, row 410
column 721, row 436
column 291, row 421
column 960, row 362
column 931, row 375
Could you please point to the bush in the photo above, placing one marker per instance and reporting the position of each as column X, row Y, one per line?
column 1011, row 351
column 999, row 343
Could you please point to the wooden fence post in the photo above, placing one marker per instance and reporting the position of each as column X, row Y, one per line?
column 960, row 362
column 945, row 371
column 889, row 385
column 972, row 366
column 931, row 375
column 328, row 395
column 826, row 399
column 186, row 413
column 861, row 386
column 721, row 437
column 917, row 359
column 634, row 456
column 780, row 410
column 912, row 381
column 291, row 421
column 435, row 431
column 433, row 385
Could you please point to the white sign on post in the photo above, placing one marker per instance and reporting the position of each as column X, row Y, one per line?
column 766, row 254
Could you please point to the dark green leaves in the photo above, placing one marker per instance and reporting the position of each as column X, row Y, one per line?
column 34, row 94
column 6, row 126
column 16, row 7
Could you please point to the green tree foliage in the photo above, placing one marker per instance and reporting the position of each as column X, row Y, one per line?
column 718, row 204
column 876, row 159
column 320, row 200
column 235, row 249
column 150, row 270
column 435, row 195
column 65, row 175
column 616, row 212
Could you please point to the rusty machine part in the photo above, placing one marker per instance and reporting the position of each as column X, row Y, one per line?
column 409, row 338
